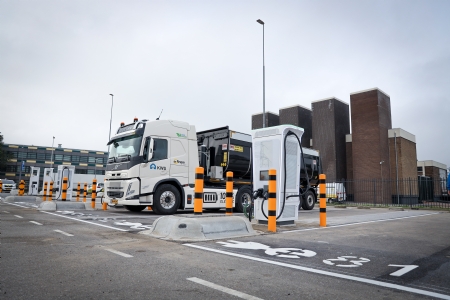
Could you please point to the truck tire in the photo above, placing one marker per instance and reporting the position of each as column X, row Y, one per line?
column 166, row 200
column 135, row 207
column 243, row 196
column 309, row 199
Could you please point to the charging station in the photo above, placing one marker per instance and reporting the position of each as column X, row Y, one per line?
column 278, row 148
column 64, row 171
column 48, row 177
column 34, row 181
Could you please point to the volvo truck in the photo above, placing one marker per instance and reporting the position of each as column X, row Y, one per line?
column 153, row 163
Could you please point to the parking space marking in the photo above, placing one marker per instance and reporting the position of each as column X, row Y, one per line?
column 358, row 223
column 328, row 273
column 6, row 212
column 34, row 222
column 115, row 228
column 18, row 216
column 63, row 232
column 223, row 289
column 16, row 205
column 118, row 252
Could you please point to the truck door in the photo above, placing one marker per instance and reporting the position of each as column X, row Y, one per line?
column 158, row 167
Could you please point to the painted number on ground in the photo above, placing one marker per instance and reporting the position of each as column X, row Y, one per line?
column 404, row 269
column 278, row 252
column 346, row 261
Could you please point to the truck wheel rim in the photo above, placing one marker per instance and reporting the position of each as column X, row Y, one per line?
column 246, row 200
column 167, row 200
column 310, row 200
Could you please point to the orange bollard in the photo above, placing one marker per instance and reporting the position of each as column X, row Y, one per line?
column 64, row 189
column 94, row 192
column 78, row 192
column 104, row 206
column 149, row 208
column 21, row 187
column 323, row 200
column 50, row 192
column 229, row 194
column 272, row 206
column 198, row 191
column 1, row 186
column 84, row 192
column 44, row 198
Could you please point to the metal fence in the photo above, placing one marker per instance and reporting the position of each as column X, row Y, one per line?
column 408, row 192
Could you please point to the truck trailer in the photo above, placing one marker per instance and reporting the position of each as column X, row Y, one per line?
column 152, row 163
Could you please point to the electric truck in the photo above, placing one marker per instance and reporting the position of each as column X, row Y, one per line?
column 153, row 163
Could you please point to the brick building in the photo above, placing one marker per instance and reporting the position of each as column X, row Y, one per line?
column 330, row 125
column 299, row 116
column 272, row 119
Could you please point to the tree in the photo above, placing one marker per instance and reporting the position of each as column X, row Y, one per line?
column 4, row 156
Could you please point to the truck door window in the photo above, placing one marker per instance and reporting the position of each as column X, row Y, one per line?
column 159, row 149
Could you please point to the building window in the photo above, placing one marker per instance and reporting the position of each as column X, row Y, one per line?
column 83, row 159
column 66, row 158
column 13, row 154
column 90, row 171
column 22, row 155
column 40, row 156
column 31, row 155
column 80, row 171
column 75, row 158
column 58, row 157
column 91, row 160
column 99, row 172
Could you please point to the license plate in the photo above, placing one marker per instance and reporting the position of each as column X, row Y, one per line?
column 114, row 201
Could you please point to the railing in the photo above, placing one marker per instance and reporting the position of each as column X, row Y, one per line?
column 407, row 192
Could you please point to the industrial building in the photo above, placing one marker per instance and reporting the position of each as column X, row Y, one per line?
column 272, row 119
column 299, row 116
column 90, row 163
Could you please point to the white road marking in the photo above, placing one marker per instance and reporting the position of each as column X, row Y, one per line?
column 18, row 216
column 327, row 273
column 16, row 205
column 223, row 289
column 34, row 222
column 118, row 252
column 351, row 224
column 6, row 212
column 404, row 269
column 65, row 233
column 120, row 229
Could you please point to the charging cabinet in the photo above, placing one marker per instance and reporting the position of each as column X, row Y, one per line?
column 64, row 171
column 277, row 148
column 34, row 181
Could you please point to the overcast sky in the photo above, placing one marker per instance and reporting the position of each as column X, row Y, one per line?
column 201, row 61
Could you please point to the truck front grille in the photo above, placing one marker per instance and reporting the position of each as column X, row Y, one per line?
column 115, row 194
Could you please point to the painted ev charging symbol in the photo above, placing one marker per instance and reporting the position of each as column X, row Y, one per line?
column 349, row 261
column 278, row 252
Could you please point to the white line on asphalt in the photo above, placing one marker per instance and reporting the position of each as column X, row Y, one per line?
column 223, row 289
column 18, row 216
column 16, row 205
column 327, row 273
column 118, row 252
column 34, row 222
column 120, row 229
column 6, row 212
column 65, row 233
column 358, row 223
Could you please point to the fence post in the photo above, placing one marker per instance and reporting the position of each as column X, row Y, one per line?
column 229, row 194
column 21, row 187
column 323, row 200
column 1, row 186
column 44, row 198
column 93, row 192
column 64, row 189
column 198, row 191
column 50, row 192
column 84, row 192
column 272, row 205
column 78, row 192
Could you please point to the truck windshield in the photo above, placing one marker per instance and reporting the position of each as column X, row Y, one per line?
column 128, row 145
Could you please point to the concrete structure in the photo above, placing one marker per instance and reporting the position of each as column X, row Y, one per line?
column 272, row 119
column 299, row 116
column 87, row 162
column 330, row 125
column 405, row 159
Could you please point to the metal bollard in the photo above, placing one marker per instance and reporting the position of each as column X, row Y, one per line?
column 78, row 192
column 94, row 192
column 84, row 192
column 50, row 192
column 44, row 198
column 323, row 200
column 104, row 205
column 1, row 186
column 229, row 194
column 21, row 187
column 198, row 191
column 64, row 189
column 272, row 206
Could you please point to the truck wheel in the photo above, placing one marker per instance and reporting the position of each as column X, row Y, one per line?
column 243, row 197
column 166, row 200
column 135, row 207
column 309, row 199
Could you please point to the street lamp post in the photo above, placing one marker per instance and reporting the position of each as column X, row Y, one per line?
column 110, row 119
column 51, row 159
column 264, row 79
column 382, row 191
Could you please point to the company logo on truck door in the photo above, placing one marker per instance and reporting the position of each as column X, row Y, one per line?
column 181, row 135
column 155, row 167
column 178, row 162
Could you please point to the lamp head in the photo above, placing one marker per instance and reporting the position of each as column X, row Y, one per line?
column 260, row 21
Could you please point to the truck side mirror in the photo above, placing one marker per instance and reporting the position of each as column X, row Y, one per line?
column 148, row 149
